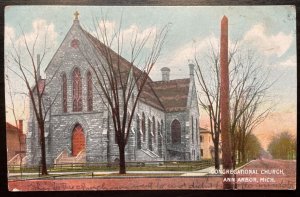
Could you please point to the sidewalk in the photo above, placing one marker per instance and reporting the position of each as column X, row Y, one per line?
column 202, row 172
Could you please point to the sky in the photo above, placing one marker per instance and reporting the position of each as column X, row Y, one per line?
column 269, row 30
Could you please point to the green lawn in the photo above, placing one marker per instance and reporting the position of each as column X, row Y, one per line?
column 166, row 166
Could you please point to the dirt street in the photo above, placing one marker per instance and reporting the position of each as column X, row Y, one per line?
column 258, row 174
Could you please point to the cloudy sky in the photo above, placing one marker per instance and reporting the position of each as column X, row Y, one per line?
column 269, row 30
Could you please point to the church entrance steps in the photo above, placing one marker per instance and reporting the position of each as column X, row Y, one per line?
column 154, row 154
column 147, row 155
column 24, row 160
column 64, row 158
column 16, row 160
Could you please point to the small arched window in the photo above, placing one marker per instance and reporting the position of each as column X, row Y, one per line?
column 192, row 129
column 77, row 91
column 159, row 139
column 64, row 93
column 154, row 129
column 176, row 132
column 197, row 134
column 139, row 143
column 89, row 91
column 144, row 127
column 150, row 135
column 158, row 129
column 162, row 127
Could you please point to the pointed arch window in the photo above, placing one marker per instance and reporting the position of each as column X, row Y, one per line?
column 162, row 130
column 159, row 139
column 150, row 135
column 64, row 92
column 176, row 132
column 197, row 131
column 162, row 126
column 144, row 127
column 154, row 129
column 77, row 91
column 89, row 91
column 139, row 142
column 193, row 130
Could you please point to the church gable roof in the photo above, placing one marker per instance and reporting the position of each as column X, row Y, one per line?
column 148, row 96
column 173, row 94
column 169, row 96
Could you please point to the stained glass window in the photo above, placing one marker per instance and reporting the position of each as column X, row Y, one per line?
column 77, row 91
column 193, row 130
column 150, row 136
column 176, row 132
column 144, row 127
column 154, row 129
column 64, row 90
column 139, row 143
column 75, row 43
column 89, row 92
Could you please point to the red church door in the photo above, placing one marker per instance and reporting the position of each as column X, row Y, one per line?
column 78, row 141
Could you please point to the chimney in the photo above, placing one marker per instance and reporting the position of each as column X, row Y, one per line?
column 20, row 127
column 165, row 71
column 38, row 67
column 192, row 66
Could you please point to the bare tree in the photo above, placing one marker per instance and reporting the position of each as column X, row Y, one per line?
column 120, row 82
column 210, row 100
column 208, row 75
column 249, row 85
column 23, row 64
column 250, row 119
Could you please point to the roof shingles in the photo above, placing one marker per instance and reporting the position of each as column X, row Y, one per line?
column 147, row 95
column 173, row 94
column 169, row 96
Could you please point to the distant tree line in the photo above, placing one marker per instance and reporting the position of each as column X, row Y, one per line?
column 253, row 148
column 283, row 146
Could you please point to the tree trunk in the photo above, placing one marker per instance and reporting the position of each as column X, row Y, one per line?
column 239, row 156
column 243, row 153
column 242, row 146
column 233, row 154
column 239, row 150
column 43, row 150
column 217, row 158
column 122, row 167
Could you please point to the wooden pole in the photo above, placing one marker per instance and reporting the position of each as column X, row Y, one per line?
column 224, row 104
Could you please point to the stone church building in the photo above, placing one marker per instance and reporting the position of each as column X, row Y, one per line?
column 79, row 127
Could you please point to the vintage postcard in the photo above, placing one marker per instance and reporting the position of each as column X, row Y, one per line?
column 150, row 97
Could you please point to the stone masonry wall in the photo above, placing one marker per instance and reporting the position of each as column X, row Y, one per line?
column 62, row 124
column 131, row 147
column 97, row 124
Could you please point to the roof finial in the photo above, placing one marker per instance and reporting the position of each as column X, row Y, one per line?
column 76, row 14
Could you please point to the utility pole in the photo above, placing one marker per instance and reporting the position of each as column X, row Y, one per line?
column 224, row 104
